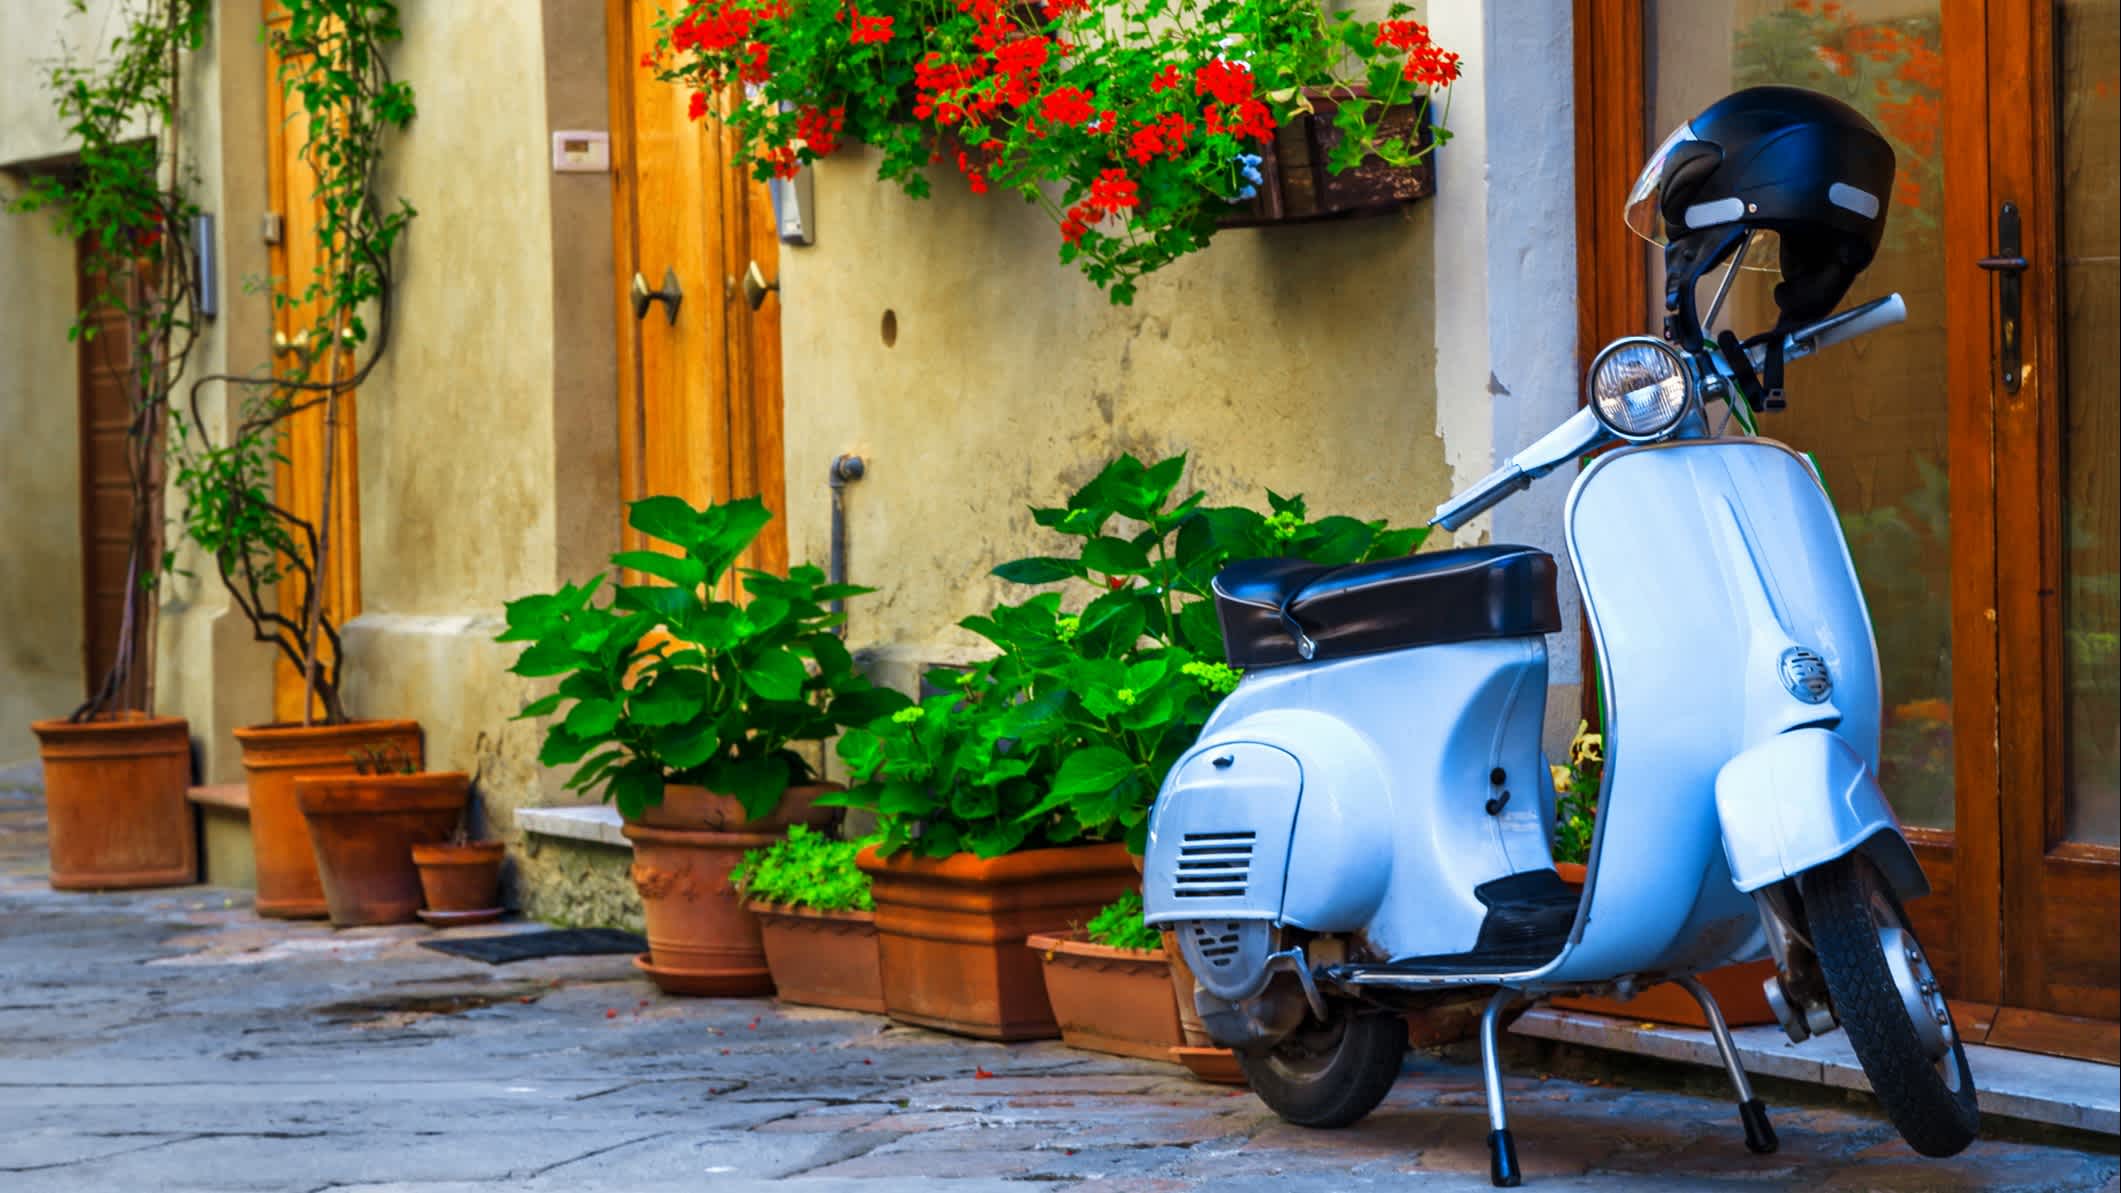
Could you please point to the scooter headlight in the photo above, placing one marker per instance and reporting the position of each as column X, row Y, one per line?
column 1640, row 387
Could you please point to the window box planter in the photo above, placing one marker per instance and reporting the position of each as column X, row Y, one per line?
column 289, row 886
column 1297, row 188
column 822, row 958
column 114, row 800
column 363, row 829
column 951, row 932
column 1109, row 1000
column 1737, row 989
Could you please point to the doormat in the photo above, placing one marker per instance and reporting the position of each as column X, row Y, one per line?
column 529, row 946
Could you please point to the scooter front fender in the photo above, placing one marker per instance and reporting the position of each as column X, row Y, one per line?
column 1803, row 798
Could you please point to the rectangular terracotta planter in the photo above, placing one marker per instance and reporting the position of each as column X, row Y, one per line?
column 951, row 931
column 1107, row 999
column 1737, row 989
column 822, row 958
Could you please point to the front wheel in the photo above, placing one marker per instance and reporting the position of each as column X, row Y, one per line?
column 1333, row 1074
column 1889, row 1004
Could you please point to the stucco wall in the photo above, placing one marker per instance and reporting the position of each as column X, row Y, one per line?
column 36, row 35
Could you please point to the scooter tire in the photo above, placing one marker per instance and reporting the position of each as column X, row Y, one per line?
column 1339, row 1087
column 1937, row 1116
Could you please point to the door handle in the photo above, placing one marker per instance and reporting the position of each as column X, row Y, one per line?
column 756, row 287
column 2008, row 264
column 670, row 296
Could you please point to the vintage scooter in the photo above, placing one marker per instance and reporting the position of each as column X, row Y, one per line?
column 1363, row 827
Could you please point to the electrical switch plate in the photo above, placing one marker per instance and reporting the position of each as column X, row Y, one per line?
column 581, row 151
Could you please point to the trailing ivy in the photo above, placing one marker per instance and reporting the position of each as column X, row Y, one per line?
column 332, row 61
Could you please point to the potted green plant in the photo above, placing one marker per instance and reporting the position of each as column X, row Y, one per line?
column 1135, row 125
column 816, row 918
column 684, row 708
column 363, row 828
column 115, row 774
column 1110, row 983
column 1006, row 803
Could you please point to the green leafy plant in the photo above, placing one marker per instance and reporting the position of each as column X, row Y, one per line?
column 332, row 59
column 1133, row 124
column 669, row 683
column 124, row 199
column 1576, row 795
column 1120, row 925
column 805, row 869
column 1068, row 731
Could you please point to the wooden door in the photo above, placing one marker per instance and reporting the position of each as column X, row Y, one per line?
column 700, row 387
column 105, row 363
column 294, row 260
column 1951, row 490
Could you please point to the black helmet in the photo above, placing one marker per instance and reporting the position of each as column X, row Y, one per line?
column 1805, row 166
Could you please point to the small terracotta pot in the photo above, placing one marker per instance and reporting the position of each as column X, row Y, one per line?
column 114, row 802
column 363, row 829
column 273, row 755
column 700, row 938
column 1198, row 1052
column 822, row 958
column 688, row 807
column 463, row 877
column 1738, row 989
column 1107, row 999
column 950, row 932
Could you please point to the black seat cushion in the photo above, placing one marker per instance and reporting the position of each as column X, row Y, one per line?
column 1268, row 606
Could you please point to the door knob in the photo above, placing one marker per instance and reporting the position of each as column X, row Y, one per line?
column 2007, row 263
column 756, row 287
column 670, row 296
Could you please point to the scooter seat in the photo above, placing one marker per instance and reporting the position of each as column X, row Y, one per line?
column 1279, row 611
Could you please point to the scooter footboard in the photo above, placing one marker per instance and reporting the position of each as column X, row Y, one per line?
column 1803, row 798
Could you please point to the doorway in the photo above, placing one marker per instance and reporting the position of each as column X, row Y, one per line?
column 1972, row 452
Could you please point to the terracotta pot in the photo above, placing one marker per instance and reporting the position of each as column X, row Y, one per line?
column 1107, row 999
column 1737, row 989
column 114, row 802
column 822, row 958
column 950, row 932
column 700, row 938
column 460, row 877
column 1198, row 1052
column 273, row 755
column 688, row 807
column 363, row 828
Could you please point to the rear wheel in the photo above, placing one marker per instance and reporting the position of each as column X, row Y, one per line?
column 1333, row 1074
column 1889, row 1004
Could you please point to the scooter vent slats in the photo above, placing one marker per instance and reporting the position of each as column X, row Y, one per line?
column 1213, row 865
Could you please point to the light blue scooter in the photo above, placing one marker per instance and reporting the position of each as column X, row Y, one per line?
column 1363, row 827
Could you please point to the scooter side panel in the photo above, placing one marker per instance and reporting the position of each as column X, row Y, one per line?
column 1803, row 798
column 1219, row 837
column 1701, row 563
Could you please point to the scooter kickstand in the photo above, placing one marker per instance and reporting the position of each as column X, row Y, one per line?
column 1759, row 1133
column 1502, row 1150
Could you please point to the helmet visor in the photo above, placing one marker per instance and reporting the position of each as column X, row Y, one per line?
column 1645, row 212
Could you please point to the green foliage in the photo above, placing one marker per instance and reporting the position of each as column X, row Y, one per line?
column 332, row 62
column 1133, row 124
column 1576, row 795
column 1120, row 925
column 805, row 869
column 668, row 683
column 1068, row 731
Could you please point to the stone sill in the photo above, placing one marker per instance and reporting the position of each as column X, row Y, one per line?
column 597, row 824
column 2017, row 1085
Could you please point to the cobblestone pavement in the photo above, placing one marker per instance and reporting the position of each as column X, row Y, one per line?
column 172, row 1040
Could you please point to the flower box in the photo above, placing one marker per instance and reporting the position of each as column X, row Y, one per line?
column 1109, row 1000
column 1297, row 188
column 822, row 958
column 951, row 932
column 1737, row 989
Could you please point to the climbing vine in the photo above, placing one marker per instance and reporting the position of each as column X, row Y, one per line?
column 122, row 199
column 332, row 61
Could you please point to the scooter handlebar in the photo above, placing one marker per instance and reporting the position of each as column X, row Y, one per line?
column 1839, row 329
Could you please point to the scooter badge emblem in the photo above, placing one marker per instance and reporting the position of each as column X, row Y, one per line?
column 1804, row 674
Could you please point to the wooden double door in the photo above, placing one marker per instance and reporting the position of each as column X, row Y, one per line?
column 1973, row 453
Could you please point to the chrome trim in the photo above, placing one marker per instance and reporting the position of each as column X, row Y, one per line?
column 1687, row 373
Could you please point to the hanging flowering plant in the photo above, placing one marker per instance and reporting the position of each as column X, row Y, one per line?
column 1134, row 124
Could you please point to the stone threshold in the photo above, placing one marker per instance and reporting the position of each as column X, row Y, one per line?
column 597, row 824
column 2080, row 1094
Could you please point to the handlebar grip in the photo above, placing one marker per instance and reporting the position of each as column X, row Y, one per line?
column 1482, row 497
column 1826, row 333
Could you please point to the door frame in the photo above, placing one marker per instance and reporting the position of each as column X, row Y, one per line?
column 2005, row 638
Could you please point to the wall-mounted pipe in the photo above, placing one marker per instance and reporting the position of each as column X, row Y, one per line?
column 845, row 469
